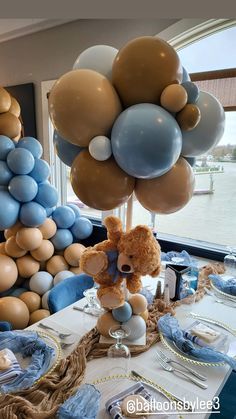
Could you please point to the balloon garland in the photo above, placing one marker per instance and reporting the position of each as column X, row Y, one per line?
column 129, row 121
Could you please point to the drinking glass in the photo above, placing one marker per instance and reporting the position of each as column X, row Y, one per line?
column 92, row 306
column 119, row 354
column 187, row 293
column 230, row 262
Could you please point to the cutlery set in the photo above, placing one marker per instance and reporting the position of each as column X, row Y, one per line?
column 225, row 301
column 64, row 344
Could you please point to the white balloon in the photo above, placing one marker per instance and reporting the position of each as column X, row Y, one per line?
column 99, row 58
column 137, row 327
column 41, row 282
column 62, row 275
column 45, row 300
column 100, row 148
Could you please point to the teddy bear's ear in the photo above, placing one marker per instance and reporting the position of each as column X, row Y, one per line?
column 142, row 232
column 114, row 228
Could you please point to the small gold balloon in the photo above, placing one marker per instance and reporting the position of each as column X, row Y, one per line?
column 15, row 107
column 174, row 97
column 9, row 125
column 189, row 117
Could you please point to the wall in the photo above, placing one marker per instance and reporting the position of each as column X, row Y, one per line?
column 48, row 54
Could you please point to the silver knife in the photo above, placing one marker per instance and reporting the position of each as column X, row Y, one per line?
column 213, row 321
column 166, row 393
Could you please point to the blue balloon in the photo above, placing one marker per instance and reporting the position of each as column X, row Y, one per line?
column 192, row 91
column 20, row 161
column 66, row 151
column 9, row 210
column 31, row 144
column 41, row 171
column 23, row 188
column 123, row 313
column 62, row 239
column 75, row 208
column 64, row 217
column 47, row 195
column 146, row 141
column 82, row 228
column 6, row 145
column 209, row 130
column 49, row 211
column 186, row 76
column 5, row 173
column 32, row 214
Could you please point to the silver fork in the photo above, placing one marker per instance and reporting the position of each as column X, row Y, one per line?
column 169, row 368
column 59, row 334
column 168, row 360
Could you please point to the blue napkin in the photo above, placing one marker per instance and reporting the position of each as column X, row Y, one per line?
column 228, row 286
column 187, row 259
column 29, row 344
column 83, row 405
column 169, row 327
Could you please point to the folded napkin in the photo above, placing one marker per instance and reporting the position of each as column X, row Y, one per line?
column 187, row 259
column 14, row 369
column 83, row 405
column 29, row 344
column 169, row 327
column 113, row 405
column 228, row 286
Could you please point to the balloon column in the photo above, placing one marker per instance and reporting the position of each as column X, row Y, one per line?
column 41, row 247
column 128, row 121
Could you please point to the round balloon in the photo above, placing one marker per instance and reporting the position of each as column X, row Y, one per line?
column 192, row 91
column 15, row 107
column 189, row 117
column 23, row 188
column 100, row 148
column 9, row 210
column 75, row 208
column 210, row 129
column 186, row 76
column 100, row 185
column 66, row 151
column 83, row 104
column 143, row 68
column 20, row 161
column 62, row 239
column 48, row 228
column 31, row 144
column 8, row 272
column 41, row 171
column 14, row 311
column 5, row 100
column 82, row 228
column 63, row 216
column 32, row 214
column 47, row 195
column 6, row 145
column 5, row 173
column 9, row 125
column 168, row 193
column 99, row 58
column 146, row 141
column 173, row 98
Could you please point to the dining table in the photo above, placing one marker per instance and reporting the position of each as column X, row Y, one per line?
column 77, row 323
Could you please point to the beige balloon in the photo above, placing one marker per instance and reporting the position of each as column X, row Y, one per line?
column 12, row 230
column 48, row 228
column 14, row 311
column 9, row 125
column 174, row 97
column 44, row 252
column 31, row 299
column 56, row 264
column 189, row 117
column 5, row 100
column 38, row 315
column 15, row 107
column 8, row 273
column 82, row 105
column 29, row 238
column 27, row 266
column 12, row 249
column 168, row 193
column 72, row 254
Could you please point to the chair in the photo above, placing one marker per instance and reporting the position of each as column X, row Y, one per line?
column 68, row 291
column 5, row 326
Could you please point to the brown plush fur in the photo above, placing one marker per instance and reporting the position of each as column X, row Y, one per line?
column 139, row 255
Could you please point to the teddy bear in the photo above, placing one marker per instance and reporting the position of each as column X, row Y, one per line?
column 124, row 255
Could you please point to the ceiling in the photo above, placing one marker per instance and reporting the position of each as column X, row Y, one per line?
column 14, row 28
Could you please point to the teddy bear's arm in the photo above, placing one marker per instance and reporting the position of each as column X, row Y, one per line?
column 93, row 262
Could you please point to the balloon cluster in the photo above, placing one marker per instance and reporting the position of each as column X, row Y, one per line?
column 133, row 314
column 41, row 246
column 10, row 124
column 128, row 120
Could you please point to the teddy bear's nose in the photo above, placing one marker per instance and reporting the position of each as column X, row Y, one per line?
column 125, row 268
